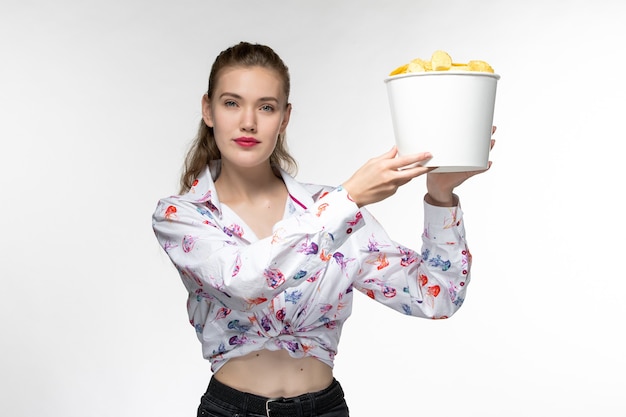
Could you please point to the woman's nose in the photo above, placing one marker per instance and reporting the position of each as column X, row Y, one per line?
column 248, row 121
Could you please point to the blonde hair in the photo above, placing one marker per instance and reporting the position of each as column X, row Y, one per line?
column 203, row 148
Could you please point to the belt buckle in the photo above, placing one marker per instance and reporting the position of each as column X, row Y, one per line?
column 267, row 405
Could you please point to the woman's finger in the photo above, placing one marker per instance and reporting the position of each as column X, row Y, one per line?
column 407, row 160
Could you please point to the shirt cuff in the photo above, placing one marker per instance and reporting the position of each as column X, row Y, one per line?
column 443, row 224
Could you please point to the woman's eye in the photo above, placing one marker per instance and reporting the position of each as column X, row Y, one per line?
column 230, row 103
column 267, row 107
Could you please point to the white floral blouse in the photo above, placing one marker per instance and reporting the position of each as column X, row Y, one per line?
column 293, row 290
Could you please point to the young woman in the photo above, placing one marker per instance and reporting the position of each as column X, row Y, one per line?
column 271, row 264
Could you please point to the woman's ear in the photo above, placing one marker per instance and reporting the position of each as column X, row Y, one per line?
column 286, row 116
column 207, row 116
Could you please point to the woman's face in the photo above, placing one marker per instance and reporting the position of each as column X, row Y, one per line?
column 247, row 111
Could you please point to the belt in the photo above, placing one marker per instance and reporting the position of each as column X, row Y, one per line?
column 310, row 404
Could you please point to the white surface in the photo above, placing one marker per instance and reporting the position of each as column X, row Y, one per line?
column 99, row 101
column 448, row 114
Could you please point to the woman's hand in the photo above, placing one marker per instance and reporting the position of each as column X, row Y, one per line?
column 441, row 185
column 380, row 177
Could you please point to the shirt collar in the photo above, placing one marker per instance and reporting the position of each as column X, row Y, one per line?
column 203, row 188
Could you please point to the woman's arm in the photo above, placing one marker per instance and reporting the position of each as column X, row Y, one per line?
column 430, row 284
column 216, row 264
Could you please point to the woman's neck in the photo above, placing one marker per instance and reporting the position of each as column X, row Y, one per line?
column 258, row 197
column 235, row 184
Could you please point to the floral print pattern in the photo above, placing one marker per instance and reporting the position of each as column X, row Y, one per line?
column 294, row 289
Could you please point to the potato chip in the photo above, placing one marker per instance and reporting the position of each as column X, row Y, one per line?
column 481, row 66
column 416, row 65
column 400, row 70
column 441, row 61
column 459, row 67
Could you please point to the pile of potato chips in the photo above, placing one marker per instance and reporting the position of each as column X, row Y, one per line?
column 441, row 61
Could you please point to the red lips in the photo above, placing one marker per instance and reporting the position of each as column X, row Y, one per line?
column 246, row 141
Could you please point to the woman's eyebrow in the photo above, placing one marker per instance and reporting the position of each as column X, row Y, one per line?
column 238, row 97
column 233, row 95
column 269, row 99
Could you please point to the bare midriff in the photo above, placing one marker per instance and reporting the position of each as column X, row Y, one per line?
column 275, row 374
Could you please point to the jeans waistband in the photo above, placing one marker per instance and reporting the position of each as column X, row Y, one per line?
column 308, row 404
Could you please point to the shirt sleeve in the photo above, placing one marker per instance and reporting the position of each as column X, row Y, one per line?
column 431, row 284
column 216, row 265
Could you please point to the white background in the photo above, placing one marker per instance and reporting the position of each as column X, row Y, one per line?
column 99, row 100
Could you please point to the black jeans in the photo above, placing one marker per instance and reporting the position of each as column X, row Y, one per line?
column 223, row 401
